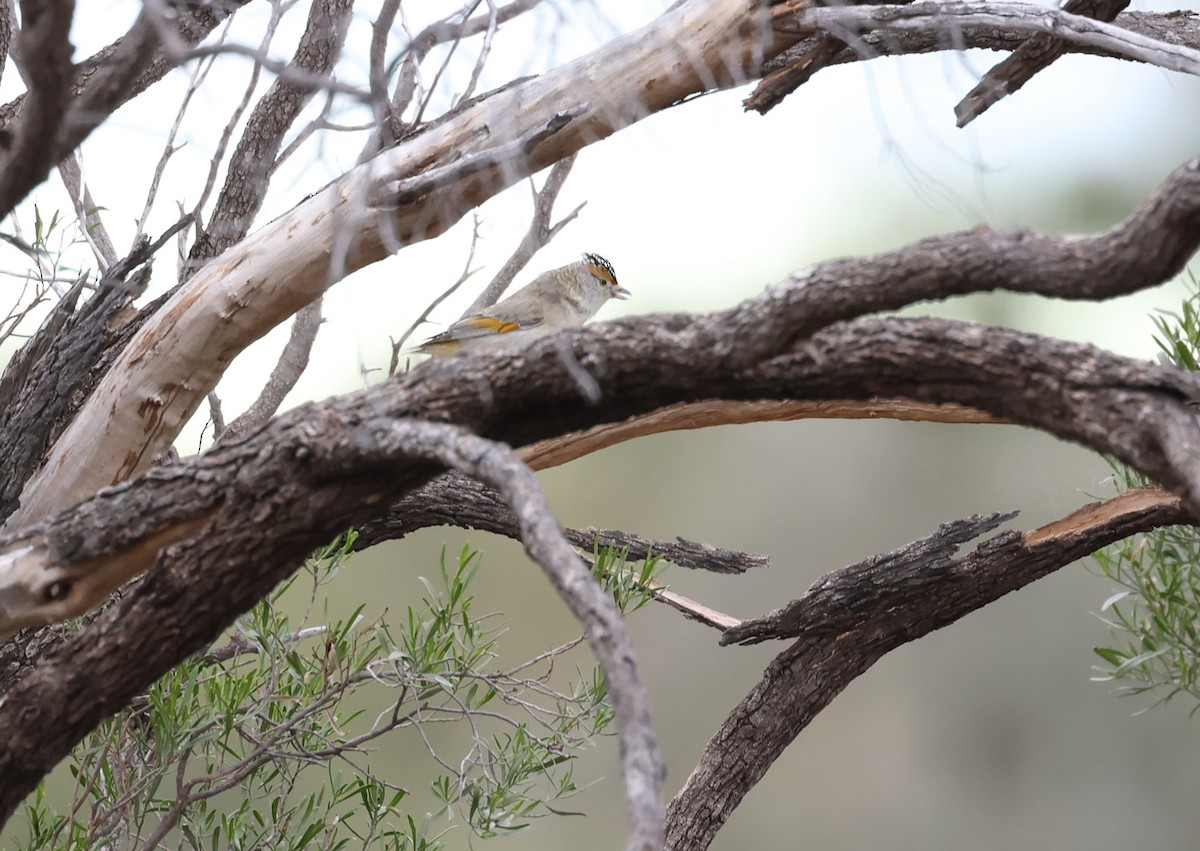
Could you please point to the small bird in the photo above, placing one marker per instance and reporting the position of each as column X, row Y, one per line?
column 565, row 297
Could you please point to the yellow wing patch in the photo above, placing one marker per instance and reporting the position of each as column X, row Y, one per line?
column 491, row 323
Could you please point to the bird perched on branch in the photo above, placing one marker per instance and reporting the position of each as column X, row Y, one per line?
column 565, row 297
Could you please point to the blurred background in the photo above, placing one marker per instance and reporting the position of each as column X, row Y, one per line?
column 986, row 735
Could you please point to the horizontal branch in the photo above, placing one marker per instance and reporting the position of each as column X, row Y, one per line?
column 266, row 501
column 800, row 62
column 1021, row 18
column 451, row 500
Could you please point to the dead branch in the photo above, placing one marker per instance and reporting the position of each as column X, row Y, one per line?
column 1021, row 18
column 854, row 628
column 450, row 500
column 47, row 381
column 713, row 412
column 797, row 64
column 1033, row 56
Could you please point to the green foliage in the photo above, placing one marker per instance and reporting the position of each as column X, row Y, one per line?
column 1154, row 621
column 630, row 589
column 264, row 741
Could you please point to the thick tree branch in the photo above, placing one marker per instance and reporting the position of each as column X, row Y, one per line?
column 246, row 513
column 177, row 358
column 45, row 55
column 47, row 381
column 865, row 611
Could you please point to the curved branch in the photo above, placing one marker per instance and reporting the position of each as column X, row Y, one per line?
column 707, row 413
column 384, row 442
column 244, row 515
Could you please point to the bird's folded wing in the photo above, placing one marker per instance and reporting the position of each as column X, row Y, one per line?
column 481, row 326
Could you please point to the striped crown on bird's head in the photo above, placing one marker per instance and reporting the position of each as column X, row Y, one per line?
column 601, row 268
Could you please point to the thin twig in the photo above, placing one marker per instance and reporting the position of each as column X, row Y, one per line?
column 467, row 272
column 539, row 234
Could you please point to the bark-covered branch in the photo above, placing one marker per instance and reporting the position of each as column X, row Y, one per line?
column 45, row 56
column 47, row 380
column 1019, row 18
column 384, row 442
column 451, row 500
column 238, row 519
column 1032, row 57
column 861, row 613
column 796, row 65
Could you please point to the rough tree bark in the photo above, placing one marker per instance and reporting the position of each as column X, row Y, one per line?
column 213, row 534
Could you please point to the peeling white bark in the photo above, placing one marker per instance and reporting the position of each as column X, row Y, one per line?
column 180, row 354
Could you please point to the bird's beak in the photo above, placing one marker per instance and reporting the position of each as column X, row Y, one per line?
column 620, row 292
